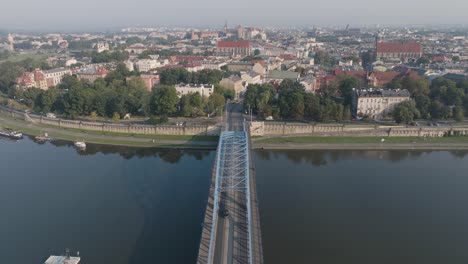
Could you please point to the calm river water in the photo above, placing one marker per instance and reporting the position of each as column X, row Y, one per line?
column 136, row 206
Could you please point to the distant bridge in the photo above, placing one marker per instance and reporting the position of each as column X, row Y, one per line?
column 231, row 229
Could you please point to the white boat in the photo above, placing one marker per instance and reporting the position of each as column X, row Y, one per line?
column 80, row 144
column 11, row 134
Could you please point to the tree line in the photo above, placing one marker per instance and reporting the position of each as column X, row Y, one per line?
column 440, row 99
column 291, row 102
column 120, row 93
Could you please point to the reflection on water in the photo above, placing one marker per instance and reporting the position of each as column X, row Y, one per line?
column 363, row 207
column 168, row 155
column 118, row 205
column 329, row 157
column 125, row 205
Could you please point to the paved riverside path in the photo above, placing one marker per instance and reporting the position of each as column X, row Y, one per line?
column 96, row 138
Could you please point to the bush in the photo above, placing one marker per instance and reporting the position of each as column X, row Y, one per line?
column 158, row 120
column 116, row 117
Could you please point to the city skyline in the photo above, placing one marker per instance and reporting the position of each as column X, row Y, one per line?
column 107, row 15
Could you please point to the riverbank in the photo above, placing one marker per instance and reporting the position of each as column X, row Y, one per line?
column 362, row 143
column 210, row 142
column 108, row 138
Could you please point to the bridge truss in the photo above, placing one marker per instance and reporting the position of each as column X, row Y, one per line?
column 232, row 175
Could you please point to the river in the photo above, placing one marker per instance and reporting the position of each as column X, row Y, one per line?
column 125, row 206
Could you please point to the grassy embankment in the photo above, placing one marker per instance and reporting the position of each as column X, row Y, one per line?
column 90, row 136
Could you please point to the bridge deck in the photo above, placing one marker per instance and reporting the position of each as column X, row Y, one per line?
column 235, row 238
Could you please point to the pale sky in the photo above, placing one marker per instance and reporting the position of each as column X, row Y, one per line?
column 106, row 14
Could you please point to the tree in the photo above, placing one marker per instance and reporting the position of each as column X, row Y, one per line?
column 120, row 73
column 9, row 71
column 164, row 100
column 456, row 58
column 215, row 104
column 405, row 112
column 416, row 87
column 423, row 103
column 324, row 59
column 116, row 117
column 291, row 100
column 436, row 109
column 458, row 113
column 423, row 60
column 366, row 58
column 46, row 100
column 346, row 84
column 311, row 107
column 256, row 52
column 347, row 113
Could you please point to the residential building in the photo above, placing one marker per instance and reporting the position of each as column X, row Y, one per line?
column 213, row 64
column 277, row 75
column 398, row 51
column 234, row 83
column 204, row 90
column 136, row 49
column 34, row 79
column 377, row 103
column 238, row 66
column 146, row 65
column 234, row 48
column 91, row 74
column 310, row 84
column 251, row 77
column 55, row 76
column 260, row 67
column 101, row 46
column 150, row 80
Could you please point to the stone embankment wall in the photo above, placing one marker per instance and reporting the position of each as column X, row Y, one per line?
column 289, row 129
column 190, row 130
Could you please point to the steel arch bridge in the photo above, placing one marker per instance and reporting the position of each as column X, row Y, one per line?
column 231, row 230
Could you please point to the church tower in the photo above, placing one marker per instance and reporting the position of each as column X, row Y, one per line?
column 225, row 27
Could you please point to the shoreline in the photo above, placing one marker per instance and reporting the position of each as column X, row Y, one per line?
column 355, row 146
column 32, row 130
column 159, row 141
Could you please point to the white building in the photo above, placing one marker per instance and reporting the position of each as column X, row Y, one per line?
column 251, row 77
column 101, row 46
column 376, row 103
column 70, row 62
column 203, row 89
column 55, row 76
column 129, row 65
column 146, row 65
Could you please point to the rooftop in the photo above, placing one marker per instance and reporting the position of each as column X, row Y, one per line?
column 383, row 93
column 233, row 44
column 413, row 47
column 276, row 74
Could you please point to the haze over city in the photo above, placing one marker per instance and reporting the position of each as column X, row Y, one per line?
column 233, row 132
column 106, row 14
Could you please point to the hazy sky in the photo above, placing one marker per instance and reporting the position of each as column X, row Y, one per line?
column 104, row 14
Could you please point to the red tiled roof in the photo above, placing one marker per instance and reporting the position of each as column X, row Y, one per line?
column 385, row 77
column 402, row 47
column 101, row 71
column 188, row 59
column 38, row 76
column 287, row 56
column 233, row 44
